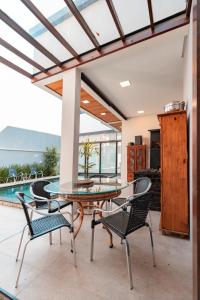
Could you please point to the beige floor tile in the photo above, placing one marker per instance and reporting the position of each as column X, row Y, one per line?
column 48, row 271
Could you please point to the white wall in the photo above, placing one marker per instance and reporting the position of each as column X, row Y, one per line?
column 133, row 127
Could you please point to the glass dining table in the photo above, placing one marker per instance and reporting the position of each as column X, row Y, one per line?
column 87, row 194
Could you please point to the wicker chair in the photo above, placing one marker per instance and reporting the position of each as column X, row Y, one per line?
column 41, row 226
column 139, row 185
column 123, row 223
column 43, row 200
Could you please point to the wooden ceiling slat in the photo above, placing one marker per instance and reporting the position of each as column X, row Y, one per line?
column 94, row 107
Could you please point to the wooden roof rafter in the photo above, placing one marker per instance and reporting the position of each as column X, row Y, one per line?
column 35, row 11
column 74, row 10
column 116, row 19
column 150, row 14
column 12, row 24
column 15, row 67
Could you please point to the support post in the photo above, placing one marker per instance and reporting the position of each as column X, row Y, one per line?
column 70, row 126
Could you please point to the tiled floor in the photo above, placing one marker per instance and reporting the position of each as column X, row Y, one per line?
column 48, row 272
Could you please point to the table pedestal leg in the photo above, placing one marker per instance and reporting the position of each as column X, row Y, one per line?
column 81, row 216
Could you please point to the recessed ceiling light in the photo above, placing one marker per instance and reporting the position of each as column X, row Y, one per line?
column 103, row 113
column 86, row 101
column 140, row 111
column 125, row 83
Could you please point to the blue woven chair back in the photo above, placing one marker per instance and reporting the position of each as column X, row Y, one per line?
column 21, row 197
column 33, row 170
column 12, row 172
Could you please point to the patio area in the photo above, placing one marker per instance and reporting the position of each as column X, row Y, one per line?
column 134, row 76
column 48, row 271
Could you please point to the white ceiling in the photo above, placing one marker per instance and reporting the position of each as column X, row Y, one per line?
column 154, row 68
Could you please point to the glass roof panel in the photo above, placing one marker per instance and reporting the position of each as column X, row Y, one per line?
column 24, row 18
column 163, row 9
column 100, row 21
column 16, row 10
column 65, row 23
column 23, row 46
column 133, row 14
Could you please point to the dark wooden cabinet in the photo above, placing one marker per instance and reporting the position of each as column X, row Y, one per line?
column 155, row 149
column 174, row 173
column 136, row 160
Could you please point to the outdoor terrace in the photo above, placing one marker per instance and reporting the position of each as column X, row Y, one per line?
column 48, row 271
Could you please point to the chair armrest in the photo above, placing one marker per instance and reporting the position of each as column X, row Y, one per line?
column 110, row 211
column 46, row 214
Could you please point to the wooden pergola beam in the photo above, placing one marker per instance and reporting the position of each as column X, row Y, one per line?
column 139, row 36
column 188, row 8
column 74, row 10
column 21, row 55
column 15, row 67
column 151, row 15
column 116, row 19
column 49, row 26
column 12, row 24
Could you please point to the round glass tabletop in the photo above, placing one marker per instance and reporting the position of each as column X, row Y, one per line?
column 96, row 186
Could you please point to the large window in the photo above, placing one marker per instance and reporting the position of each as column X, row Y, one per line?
column 95, row 160
column 108, row 157
column 119, row 157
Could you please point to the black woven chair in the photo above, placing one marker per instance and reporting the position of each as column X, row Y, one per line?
column 123, row 223
column 139, row 186
column 43, row 199
column 41, row 226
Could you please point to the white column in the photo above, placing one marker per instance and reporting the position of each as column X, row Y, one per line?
column 70, row 126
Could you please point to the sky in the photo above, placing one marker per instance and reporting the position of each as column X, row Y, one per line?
column 23, row 104
column 27, row 106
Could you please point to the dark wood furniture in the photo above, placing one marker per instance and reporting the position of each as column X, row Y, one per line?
column 136, row 160
column 174, row 173
column 154, row 148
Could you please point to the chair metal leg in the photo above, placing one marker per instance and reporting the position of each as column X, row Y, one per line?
column 74, row 249
column 129, row 263
column 150, row 222
column 20, row 243
column 152, row 246
column 50, row 238
column 20, row 268
column 92, row 246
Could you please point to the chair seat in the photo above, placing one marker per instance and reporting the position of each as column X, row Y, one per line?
column 119, row 201
column 54, row 205
column 118, row 223
column 47, row 224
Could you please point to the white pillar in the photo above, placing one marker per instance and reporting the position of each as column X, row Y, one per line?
column 70, row 126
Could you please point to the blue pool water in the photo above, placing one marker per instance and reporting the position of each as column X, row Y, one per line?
column 8, row 193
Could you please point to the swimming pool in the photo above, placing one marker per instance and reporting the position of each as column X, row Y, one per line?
column 8, row 193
